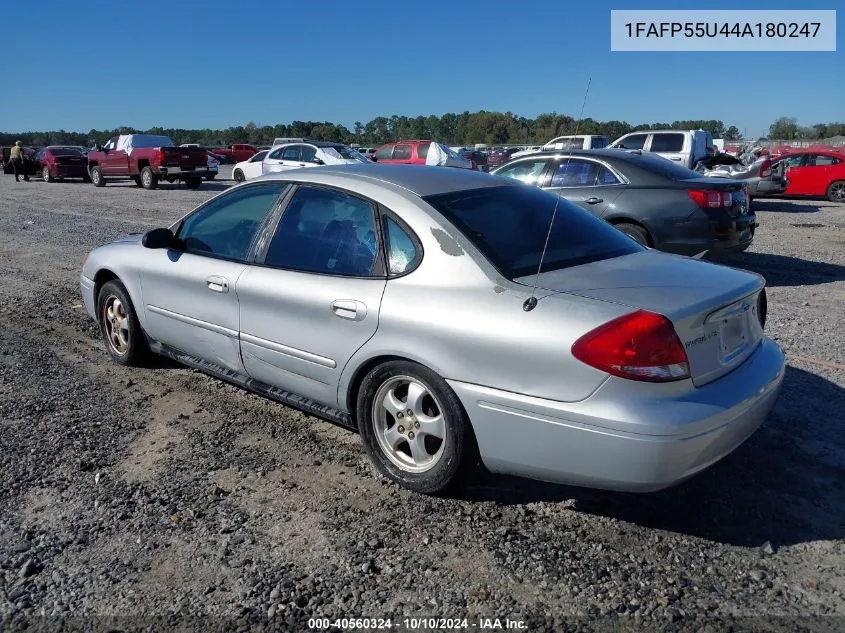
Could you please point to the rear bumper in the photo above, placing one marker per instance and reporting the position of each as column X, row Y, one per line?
column 69, row 171
column 626, row 436
column 763, row 187
column 179, row 172
column 735, row 235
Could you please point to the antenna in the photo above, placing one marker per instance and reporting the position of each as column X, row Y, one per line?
column 531, row 302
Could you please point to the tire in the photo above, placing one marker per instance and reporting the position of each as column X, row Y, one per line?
column 836, row 191
column 440, row 452
column 238, row 175
column 635, row 232
column 125, row 340
column 148, row 179
column 97, row 177
column 210, row 178
column 136, row 180
column 193, row 183
column 45, row 174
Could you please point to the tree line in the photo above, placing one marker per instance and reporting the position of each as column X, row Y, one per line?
column 492, row 128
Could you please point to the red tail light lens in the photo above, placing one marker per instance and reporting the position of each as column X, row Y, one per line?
column 160, row 156
column 639, row 346
column 708, row 199
column 766, row 169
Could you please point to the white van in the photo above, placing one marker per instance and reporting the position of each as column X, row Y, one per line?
column 685, row 147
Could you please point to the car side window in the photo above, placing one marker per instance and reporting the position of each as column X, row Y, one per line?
column 307, row 153
column 635, row 141
column 325, row 231
column 110, row 144
column 667, row 142
column 822, row 160
column 402, row 152
column 422, row 150
column 276, row 154
column 796, row 161
column 528, row 171
column 607, row 177
column 257, row 158
column 402, row 253
column 384, row 153
column 225, row 227
column 41, row 154
column 575, row 173
column 291, row 153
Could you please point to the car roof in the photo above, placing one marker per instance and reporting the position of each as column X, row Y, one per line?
column 609, row 154
column 422, row 180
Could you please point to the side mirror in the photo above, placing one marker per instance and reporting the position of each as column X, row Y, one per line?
column 159, row 238
column 318, row 161
column 373, row 158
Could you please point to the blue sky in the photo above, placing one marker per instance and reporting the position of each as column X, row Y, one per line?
column 215, row 63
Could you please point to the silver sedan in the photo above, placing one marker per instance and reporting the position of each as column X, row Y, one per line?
column 445, row 313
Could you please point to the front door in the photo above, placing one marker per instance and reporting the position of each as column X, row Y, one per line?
column 798, row 174
column 587, row 183
column 115, row 162
column 189, row 295
column 315, row 300
column 284, row 158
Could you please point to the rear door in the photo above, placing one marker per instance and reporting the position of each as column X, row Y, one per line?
column 588, row 183
column 189, row 297
column 314, row 299
column 820, row 173
column 671, row 145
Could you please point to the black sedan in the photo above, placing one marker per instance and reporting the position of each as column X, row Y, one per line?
column 649, row 198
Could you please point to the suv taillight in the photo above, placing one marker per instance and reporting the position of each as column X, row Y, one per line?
column 160, row 156
column 709, row 199
column 766, row 169
column 639, row 346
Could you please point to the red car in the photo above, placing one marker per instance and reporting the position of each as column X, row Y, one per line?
column 405, row 153
column 815, row 173
column 57, row 162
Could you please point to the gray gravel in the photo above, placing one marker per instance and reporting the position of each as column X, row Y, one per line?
column 162, row 492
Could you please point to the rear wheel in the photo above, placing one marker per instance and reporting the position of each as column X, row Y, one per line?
column 148, row 179
column 45, row 174
column 238, row 175
column 125, row 340
column 97, row 177
column 836, row 191
column 413, row 426
column 635, row 232
column 193, row 183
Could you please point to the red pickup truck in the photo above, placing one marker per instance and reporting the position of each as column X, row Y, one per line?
column 237, row 152
column 147, row 159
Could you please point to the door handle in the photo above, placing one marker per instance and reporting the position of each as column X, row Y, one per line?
column 593, row 200
column 216, row 283
column 676, row 158
column 302, row 164
column 349, row 309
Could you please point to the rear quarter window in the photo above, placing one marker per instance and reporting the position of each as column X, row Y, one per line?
column 663, row 167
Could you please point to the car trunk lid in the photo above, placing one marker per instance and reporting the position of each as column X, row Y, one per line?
column 714, row 309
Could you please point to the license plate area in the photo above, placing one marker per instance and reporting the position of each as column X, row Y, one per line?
column 739, row 329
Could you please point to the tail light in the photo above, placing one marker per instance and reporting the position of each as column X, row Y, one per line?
column 766, row 169
column 639, row 346
column 709, row 199
column 160, row 156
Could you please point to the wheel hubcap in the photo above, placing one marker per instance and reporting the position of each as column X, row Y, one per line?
column 146, row 177
column 838, row 192
column 46, row 173
column 95, row 175
column 116, row 324
column 409, row 424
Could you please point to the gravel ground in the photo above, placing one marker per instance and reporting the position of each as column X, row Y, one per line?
column 134, row 493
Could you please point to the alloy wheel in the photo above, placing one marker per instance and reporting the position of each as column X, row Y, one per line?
column 116, row 324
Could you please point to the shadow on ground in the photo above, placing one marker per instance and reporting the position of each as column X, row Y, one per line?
column 783, row 485
column 783, row 270
column 778, row 205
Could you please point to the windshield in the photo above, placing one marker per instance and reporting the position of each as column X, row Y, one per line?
column 344, row 152
column 65, row 151
column 509, row 225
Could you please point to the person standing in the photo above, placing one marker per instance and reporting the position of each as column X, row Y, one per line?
column 17, row 158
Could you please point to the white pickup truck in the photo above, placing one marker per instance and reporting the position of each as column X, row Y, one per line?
column 685, row 147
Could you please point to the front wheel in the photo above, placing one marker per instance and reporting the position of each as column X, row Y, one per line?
column 635, row 232
column 97, row 177
column 238, row 176
column 412, row 425
column 125, row 340
column 836, row 191
column 45, row 174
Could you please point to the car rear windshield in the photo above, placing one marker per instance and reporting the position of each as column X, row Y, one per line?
column 663, row 167
column 65, row 151
column 509, row 225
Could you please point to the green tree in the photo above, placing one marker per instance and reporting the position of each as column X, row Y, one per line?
column 732, row 134
column 784, row 129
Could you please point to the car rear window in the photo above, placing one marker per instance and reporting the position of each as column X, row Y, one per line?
column 65, row 151
column 509, row 225
column 663, row 167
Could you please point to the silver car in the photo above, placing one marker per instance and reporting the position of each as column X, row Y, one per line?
column 405, row 303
